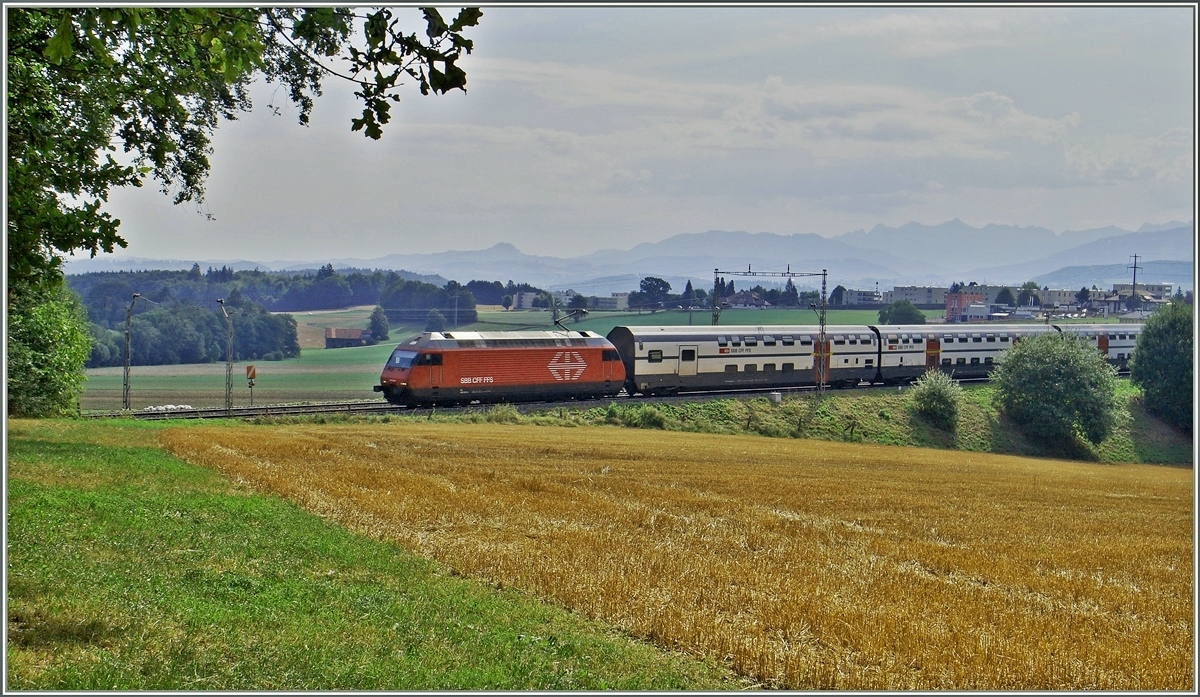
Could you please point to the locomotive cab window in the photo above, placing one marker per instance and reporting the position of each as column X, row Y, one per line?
column 655, row 356
column 611, row 355
column 687, row 355
column 402, row 359
column 429, row 359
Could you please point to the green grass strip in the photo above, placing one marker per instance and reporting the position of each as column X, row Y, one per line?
column 132, row 570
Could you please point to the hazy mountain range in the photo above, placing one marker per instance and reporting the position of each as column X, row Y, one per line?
column 912, row 254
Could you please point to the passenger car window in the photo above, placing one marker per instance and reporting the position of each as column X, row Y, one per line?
column 768, row 340
column 655, row 356
column 752, row 341
column 730, row 368
column 789, row 367
column 687, row 355
column 789, row 341
column 722, row 341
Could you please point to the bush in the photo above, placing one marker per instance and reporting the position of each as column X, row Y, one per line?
column 1056, row 386
column 935, row 396
column 901, row 312
column 1162, row 365
column 48, row 344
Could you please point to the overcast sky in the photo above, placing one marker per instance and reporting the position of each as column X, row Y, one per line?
column 594, row 128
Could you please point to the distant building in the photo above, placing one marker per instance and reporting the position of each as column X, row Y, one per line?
column 1158, row 290
column 341, row 337
column 957, row 303
column 618, row 302
column 747, row 298
column 523, row 300
column 563, row 297
column 917, row 295
column 976, row 312
column 860, row 297
column 1058, row 297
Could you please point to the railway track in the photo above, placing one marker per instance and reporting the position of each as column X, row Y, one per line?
column 362, row 407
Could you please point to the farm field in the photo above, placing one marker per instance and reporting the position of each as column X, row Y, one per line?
column 801, row 564
column 129, row 569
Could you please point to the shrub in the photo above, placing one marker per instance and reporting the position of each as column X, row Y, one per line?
column 503, row 414
column 48, row 343
column 935, row 396
column 1055, row 386
column 1162, row 365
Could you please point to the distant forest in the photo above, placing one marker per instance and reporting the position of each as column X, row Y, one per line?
column 177, row 318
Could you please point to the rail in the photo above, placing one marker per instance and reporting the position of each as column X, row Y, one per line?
column 382, row 407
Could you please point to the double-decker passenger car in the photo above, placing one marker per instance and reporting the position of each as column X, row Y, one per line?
column 460, row 367
column 667, row 360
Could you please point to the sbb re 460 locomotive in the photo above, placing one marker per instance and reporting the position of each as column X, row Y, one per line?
column 461, row 367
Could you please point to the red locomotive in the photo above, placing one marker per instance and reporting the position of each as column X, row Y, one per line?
column 460, row 367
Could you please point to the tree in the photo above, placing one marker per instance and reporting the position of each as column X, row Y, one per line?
column 378, row 324
column 506, row 301
column 578, row 302
column 435, row 322
column 1005, row 297
column 835, row 297
column 1162, row 364
column 1056, row 386
column 83, row 81
column 1029, row 294
column 689, row 293
column 654, row 289
column 155, row 82
column 1083, row 297
column 789, row 296
column 48, row 343
column 901, row 312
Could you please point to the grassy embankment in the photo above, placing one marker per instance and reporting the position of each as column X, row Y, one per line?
column 883, row 417
column 131, row 569
column 800, row 563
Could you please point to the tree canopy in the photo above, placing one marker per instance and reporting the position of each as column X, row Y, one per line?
column 1056, row 386
column 154, row 82
column 1162, row 364
column 901, row 312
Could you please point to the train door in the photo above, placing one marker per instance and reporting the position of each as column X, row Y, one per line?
column 821, row 361
column 687, row 361
column 933, row 351
column 431, row 365
column 1102, row 343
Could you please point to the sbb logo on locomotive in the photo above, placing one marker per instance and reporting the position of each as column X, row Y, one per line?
column 567, row 365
